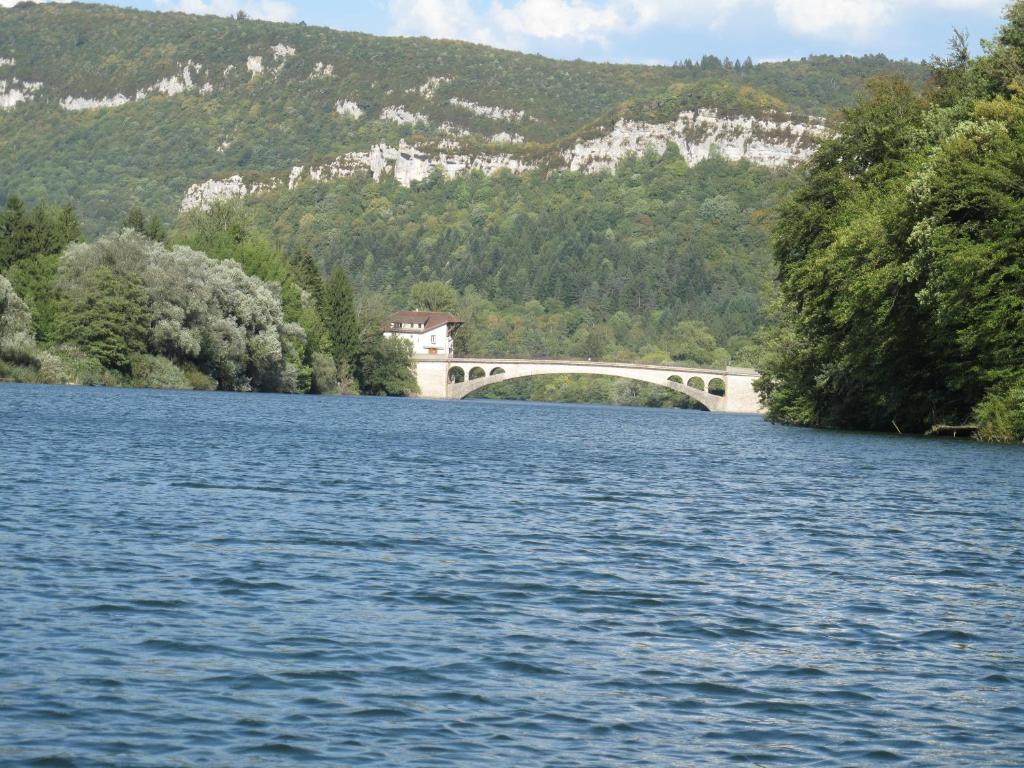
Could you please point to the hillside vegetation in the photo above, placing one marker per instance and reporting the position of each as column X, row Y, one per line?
column 226, row 96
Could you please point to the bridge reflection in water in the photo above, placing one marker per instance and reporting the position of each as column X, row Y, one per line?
column 455, row 378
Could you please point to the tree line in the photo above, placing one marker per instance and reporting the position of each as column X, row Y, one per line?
column 212, row 304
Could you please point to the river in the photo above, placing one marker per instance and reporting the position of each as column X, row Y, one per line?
column 212, row 579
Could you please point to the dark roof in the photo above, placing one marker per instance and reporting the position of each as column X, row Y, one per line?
column 430, row 321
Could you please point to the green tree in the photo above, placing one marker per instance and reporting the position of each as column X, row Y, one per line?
column 13, row 236
column 35, row 280
column 43, row 230
column 693, row 343
column 136, row 219
column 17, row 342
column 383, row 367
column 309, row 274
column 339, row 316
column 434, row 296
column 155, row 229
column 108, row 317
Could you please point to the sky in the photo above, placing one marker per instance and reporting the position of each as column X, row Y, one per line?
column 642, row 31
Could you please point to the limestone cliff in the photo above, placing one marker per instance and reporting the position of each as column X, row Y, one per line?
column 774, row 142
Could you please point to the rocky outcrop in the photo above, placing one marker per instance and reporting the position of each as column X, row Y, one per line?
column 348, row 109
column 494, row 113
column 402, row 116
column 407, row 164
column 429, row 89
column 452, row 130
column 184, row 80
column 79, row 103
column 204, row 194
column 15, row 91
column 179, row 83
column 699, row 135
column 281, row 53
column 322, row 71
column 255, row 65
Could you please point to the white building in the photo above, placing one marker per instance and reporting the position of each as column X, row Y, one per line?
column 430, row 333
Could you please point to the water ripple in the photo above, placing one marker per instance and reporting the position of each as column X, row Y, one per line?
column 213, row 579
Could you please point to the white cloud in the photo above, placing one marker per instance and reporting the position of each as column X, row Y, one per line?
column 514, row 23
column 820, row 18
column 451, row 19
column 271, row 10
column 556, row 20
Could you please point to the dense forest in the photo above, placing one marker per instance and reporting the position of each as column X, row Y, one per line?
column 569, row 265
column 901, row 257
column 189, row 108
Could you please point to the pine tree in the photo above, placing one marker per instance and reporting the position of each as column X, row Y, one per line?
column 155, row 229
column 136, row 219
column 69, row 226
column 108, row 319
column 12, row 227
column 309, row 274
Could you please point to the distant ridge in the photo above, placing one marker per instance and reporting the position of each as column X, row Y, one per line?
column 107, row 107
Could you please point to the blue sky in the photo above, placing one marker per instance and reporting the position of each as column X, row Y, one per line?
column 643, row 31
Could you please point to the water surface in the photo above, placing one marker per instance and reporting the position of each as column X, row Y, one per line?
column 205, row 579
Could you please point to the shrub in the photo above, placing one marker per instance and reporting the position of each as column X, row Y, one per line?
column 1001, row 415
column 156, row 372
column 17, row 339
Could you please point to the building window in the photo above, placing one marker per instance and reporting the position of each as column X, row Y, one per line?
column 433, row 339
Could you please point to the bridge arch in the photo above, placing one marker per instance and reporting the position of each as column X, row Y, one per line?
column 657, row 375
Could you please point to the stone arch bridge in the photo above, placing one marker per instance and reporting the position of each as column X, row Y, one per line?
column 728, row 390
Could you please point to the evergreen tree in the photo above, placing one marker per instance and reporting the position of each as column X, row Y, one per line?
column 136, row 219
column 68, row 226
column 155, row 229
column 309, row 274
column 108, row 317
column 12, row 231
column 41, row 231
column 339, row 315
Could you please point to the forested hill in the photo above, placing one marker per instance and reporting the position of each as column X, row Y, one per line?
column 106, row 108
